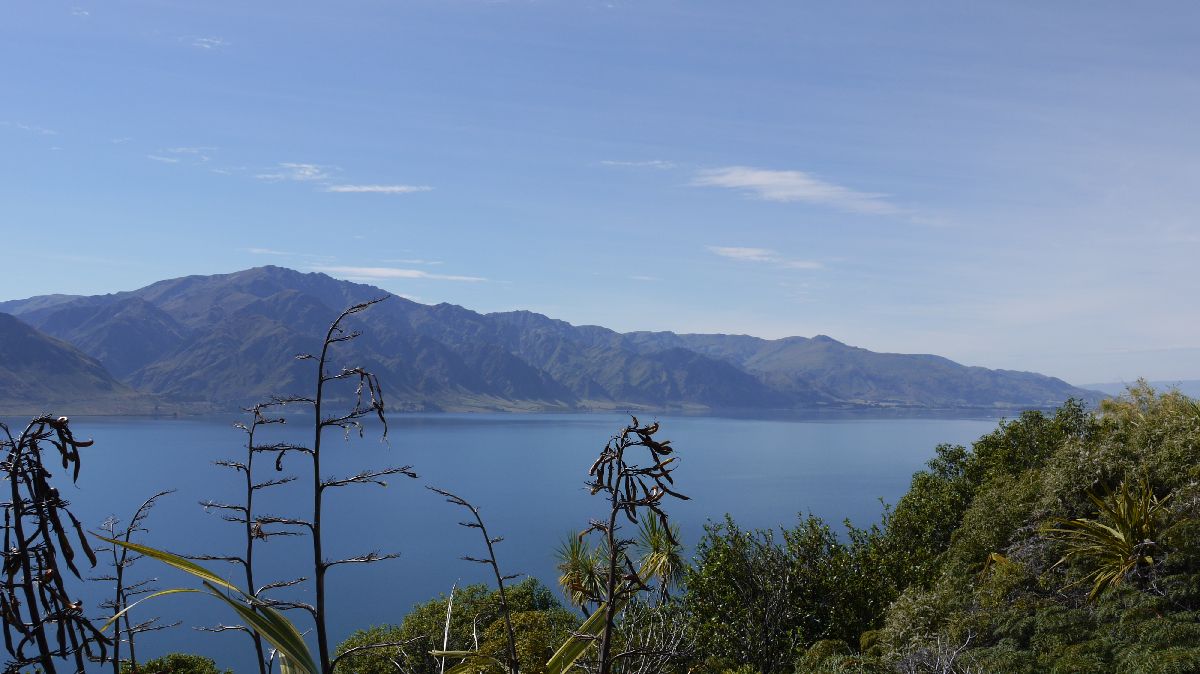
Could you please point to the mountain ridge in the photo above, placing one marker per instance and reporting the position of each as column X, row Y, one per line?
column 230, row 339
column 39, row 373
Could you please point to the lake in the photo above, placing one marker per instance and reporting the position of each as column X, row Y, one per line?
column 525, row 472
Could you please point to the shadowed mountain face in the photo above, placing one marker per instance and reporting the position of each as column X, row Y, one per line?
column 232, row 339
column 41, row 374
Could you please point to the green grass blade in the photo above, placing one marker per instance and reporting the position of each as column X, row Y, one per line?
column 575, row 646
column 295, row 657
column 175, row 561
column 276, row 629
column 148, row 597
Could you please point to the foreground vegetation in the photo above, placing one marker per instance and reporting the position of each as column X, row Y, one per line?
column 1060, row 542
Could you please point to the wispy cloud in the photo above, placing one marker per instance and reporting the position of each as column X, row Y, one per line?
column 386, row 273
column 31, row 128
column 415, row 261
column 120, row 141
column 378, row 189
column 792, row 186
column 197, row 150
column 648, row 163
column 160, row 158
column 207, row 42
column 297, row 172
column 744, row 254
column 763, row 255
column 197, row 155
column 80, row 12
column 312, row 258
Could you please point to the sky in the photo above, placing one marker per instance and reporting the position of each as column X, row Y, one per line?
column 1008, row 184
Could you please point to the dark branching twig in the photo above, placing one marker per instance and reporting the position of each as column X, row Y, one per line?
column 125, row 592
column 367, row 402
column 654, row 637
column 514, row 664
column 629, row 488
column 255, row 526
column 259, row 527
column 370, row 647
column 41, row 621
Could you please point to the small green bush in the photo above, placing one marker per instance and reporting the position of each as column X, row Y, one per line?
column 176, row 663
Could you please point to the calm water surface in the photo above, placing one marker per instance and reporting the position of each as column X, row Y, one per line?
column 525, row 472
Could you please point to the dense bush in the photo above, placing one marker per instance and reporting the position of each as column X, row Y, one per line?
column 1006, row 595
column 542, row 625
column 177, row 663
column 762, row 600
column 1011, row 555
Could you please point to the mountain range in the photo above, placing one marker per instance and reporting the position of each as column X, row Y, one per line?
column 211, row 342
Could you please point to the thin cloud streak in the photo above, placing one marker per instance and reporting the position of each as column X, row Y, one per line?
column 762, row 255
column 386, row 273
column 298, row 172
column 209, row 42
column 414, row 261
column 274, row 252
column 793, row 186
column 199, row 154
column 378, row 189
column 649, row 163
column 32, row 128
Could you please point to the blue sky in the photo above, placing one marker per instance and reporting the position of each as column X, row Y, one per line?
column 1009, row 184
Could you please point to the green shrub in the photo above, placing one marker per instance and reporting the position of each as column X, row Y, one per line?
column 476, row 612
column 177, row 663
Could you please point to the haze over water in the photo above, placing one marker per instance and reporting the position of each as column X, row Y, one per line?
column 525, row 472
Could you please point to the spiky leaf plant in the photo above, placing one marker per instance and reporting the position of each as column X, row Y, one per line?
column 1122, row 540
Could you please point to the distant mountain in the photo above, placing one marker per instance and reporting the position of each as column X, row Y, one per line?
column 1188, row 387
column 41, row 374
column 231, row 339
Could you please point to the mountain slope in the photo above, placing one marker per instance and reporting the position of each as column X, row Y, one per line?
column 857, row 375
column 231, row 339
column 124, row 334
column 40, row 373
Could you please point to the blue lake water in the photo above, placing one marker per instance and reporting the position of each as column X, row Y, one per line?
column 526, row 473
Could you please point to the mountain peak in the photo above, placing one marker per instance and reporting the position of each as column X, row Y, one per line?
column 227, row 338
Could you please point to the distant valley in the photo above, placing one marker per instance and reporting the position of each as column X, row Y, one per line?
column 216, row 342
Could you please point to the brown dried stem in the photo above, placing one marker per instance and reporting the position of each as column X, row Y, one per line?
column 629, row 488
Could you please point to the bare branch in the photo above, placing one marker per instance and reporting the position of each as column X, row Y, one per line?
column 270, row 519
column 369, row 558
column 513, row 662
column 272, row 483
column 222, row 628
column 369, row 477
column 279, row 584
column 368, row 647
